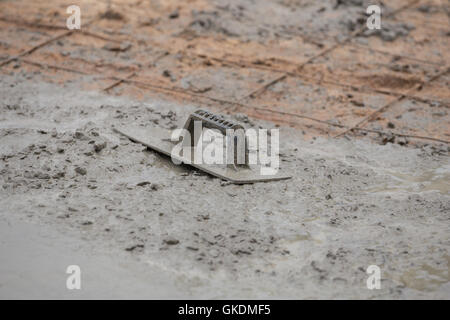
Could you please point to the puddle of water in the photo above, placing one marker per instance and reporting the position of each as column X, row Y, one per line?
column 310, row 219
column 426, row 278
column 432, row 180
column 296, row 242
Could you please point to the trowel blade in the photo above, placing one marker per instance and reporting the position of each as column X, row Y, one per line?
column 158, row 139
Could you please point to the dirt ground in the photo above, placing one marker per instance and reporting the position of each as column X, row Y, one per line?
column 364, row 131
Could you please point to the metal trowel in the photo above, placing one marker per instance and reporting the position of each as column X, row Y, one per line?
column 237, row 171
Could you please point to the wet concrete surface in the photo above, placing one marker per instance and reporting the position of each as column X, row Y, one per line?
column 35, row 259
column 74, row 192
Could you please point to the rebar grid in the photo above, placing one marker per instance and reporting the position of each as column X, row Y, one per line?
column 230, row 104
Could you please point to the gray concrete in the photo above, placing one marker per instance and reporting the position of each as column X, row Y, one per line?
column 139, row 226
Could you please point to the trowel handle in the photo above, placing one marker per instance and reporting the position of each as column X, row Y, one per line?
column 213, row 121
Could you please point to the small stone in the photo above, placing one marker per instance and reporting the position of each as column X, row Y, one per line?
column 357, row 103
column 213, row 253
column 388, row 138
column 155, row 186
column 36, row 185
column 81, row 171
column 79, row 135
column 171, row 241
column 122, row 47
column 134, row 246
column 174, row 15
column 67, row 140
column 42, row 175
column 241, row 251
column 241, row 117
column 143, row 183
column 59, row 175
column 112, row 15
column 402, row 141
column 99, row 146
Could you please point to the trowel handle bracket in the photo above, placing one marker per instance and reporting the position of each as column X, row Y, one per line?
column 212, row 121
